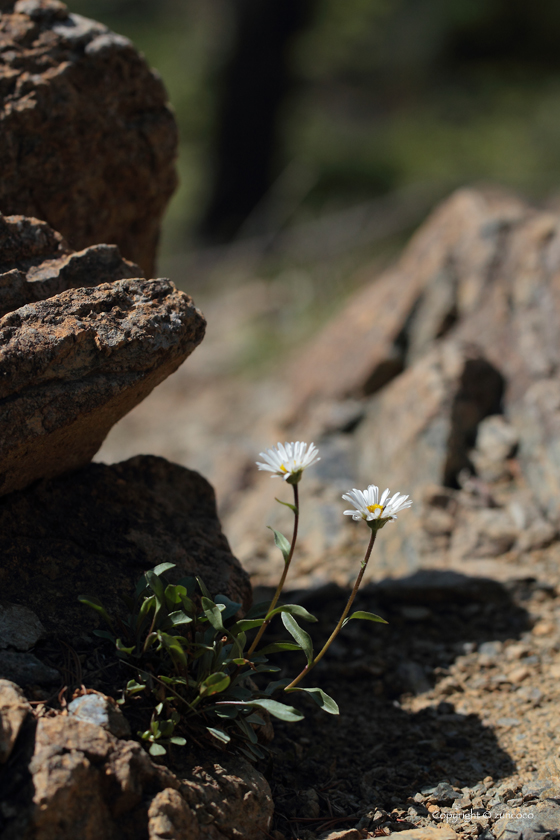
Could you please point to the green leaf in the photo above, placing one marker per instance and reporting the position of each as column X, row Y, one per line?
column 215, row 684
column 246, row 624
column 147, row 605
column 367, row 616
column 189, row 583
column 104, row 634
column 173, row 645
column 95, row 604
column 133, row 687
column 179, row 617
column 157, row 749
column 256, row 719
column 277, row 647
column 281, row 542
column 231, row 607
column 174, row 594
column 202, row 587
column 293, row 609
column 177, row 739
column 256, row 750
column 213, row 613
column 249, row 733
column 278, row 710
column 156, row 586
column 258, row 610
column 162, row 568
column 287, row 504
column 219, row 734
column 275, row 684
column 302, row 638
column 326, row 703
column 120, row 647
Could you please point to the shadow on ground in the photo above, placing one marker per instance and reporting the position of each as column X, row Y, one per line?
column 331, row 771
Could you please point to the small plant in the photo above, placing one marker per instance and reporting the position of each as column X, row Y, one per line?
column 190, row 653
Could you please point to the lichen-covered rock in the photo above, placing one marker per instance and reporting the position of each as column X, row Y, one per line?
column 95, row 531
column 36, row 263
column 72, row 365
column 87, row 783
column 68, row 87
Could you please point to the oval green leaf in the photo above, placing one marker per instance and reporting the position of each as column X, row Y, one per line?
column 302, row 638
column 366, row 616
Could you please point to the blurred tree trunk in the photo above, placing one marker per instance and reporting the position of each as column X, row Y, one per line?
column 256, row 80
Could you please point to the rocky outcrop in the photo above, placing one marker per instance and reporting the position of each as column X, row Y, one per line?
column 72, row 365
column 36, row 263
column 81, row 778
column 87, row 138
column 95, row 531
column 439, row 373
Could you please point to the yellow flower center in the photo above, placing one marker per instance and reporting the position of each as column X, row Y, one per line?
column 373, row 508
column 283, row 468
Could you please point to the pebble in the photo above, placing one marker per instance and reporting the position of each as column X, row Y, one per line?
column 94, row 708
column 19, row 627
column 537, row 822
column 443, row 832
column 519, row 674
column 544, row 628
column 508, row 721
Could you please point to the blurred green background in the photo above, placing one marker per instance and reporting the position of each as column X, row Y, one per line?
column 390, row 104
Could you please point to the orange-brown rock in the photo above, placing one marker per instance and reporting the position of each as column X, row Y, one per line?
column 81, row 779
column 72, row 365
column 36, row 263
column 87, row 139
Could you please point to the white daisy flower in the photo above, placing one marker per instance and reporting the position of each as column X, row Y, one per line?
column 375, row 510
column 289, row 460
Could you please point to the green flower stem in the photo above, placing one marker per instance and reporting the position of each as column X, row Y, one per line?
column 338, row 627
column 280, row 586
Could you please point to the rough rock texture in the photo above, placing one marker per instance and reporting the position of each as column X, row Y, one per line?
column 443, row 368
column 83, row 781
column 95, row 531
column 72, row 365
column 19, row 627
column 68, row 87
column 14, row 708
column 36, row 263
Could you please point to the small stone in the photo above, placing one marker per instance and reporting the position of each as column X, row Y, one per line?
column 14, row 708
column 518, row 674
column 544, row 628
column 554, row 670
column 488, row 652
column 97, row 709
column 26, row 669
column 529, row 823
column 442, row 832
column 516, row 651
column 530, row 694
column 344, row 834
column 507, row 721
column 19, row 627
